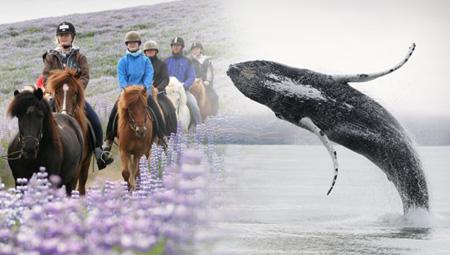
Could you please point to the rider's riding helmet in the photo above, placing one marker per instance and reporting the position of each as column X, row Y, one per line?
column 133, row 36
column 151, row 45
column 66, row 27
column 177, row 41
column 197, row 45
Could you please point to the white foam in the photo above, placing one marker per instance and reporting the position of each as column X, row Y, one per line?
column 415, row 218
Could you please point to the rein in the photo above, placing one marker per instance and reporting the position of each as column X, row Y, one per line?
column 132, row 123
column 22, row 142
column 7, row 156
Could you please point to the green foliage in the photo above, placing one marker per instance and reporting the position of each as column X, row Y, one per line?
column 105, row 65
column 159, row 249
column 142, row 26
column 5, row 175
column 13, row 33
column 34, row 30
column 86, row 34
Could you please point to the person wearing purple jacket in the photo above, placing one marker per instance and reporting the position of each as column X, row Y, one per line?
column 181, row 68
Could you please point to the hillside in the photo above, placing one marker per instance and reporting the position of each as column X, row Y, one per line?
column 100, row 36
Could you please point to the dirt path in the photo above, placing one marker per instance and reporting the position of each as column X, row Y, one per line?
column 111, row 172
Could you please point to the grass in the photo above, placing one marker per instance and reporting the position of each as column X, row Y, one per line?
column 142, row 26
column 34, row 30
column 86, row 34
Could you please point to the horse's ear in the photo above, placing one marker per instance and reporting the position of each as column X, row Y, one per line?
column 38, row 93
column 16, row 92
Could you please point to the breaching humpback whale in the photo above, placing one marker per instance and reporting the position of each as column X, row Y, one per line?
column 327, row 106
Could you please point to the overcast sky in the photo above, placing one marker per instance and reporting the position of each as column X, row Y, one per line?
column 350, row 36
column 12, row 11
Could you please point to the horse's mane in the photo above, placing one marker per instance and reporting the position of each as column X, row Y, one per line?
column 130, row 95
column 55, row 82
column 27, row 98
column 176, row 86
column 58, row 78
column 198, row 90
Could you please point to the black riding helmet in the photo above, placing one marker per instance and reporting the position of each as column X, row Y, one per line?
column 66, row 27
column 177, row 40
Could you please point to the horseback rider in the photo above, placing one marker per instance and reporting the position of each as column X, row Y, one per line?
column 160, row 81
column 181, row 67
column 160, row 74
column 66, row 55
column 202, row 64
column 133, row 69
column 205, row 72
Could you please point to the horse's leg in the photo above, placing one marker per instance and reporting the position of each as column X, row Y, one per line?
column 84, row 171
column 132, row 169
column 124, row 160
column 69, row 189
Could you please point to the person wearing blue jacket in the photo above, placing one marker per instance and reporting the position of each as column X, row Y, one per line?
column 134, row 68
column 181, row 68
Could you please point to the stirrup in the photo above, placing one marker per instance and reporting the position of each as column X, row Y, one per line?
column 103, row 158
column 107, row 146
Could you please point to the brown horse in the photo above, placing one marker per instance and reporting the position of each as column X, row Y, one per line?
column 135, row 131
column 205, row 103
column 75, row 108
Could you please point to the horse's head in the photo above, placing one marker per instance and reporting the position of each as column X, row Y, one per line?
column 75, row 93
column 132, row 107
column 175, row 92
column 32, row 112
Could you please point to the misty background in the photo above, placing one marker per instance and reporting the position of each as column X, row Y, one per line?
column 357, row 36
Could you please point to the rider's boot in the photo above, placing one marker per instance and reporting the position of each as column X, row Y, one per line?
column 103, row 155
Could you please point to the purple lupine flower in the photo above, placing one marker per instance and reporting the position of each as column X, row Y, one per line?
column 169, row 206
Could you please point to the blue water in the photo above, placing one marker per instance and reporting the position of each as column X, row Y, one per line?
column 274, row 202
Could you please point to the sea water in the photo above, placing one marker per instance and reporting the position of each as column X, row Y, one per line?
column 274, row 202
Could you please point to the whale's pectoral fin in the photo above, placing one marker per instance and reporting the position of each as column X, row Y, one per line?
column 368, row 77
column 308, row 124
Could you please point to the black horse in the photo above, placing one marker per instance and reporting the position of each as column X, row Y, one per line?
column 53, row 141
column 169, row 115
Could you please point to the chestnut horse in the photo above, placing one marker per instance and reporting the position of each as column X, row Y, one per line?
column 206, row 103
column 75, row 108
column 135, row 131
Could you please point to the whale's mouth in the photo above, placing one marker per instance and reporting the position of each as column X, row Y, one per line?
column 247, row 80
column 233, row 71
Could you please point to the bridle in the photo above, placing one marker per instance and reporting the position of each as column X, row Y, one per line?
column 37, row 140
column 132, row 122
column 22, row 139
